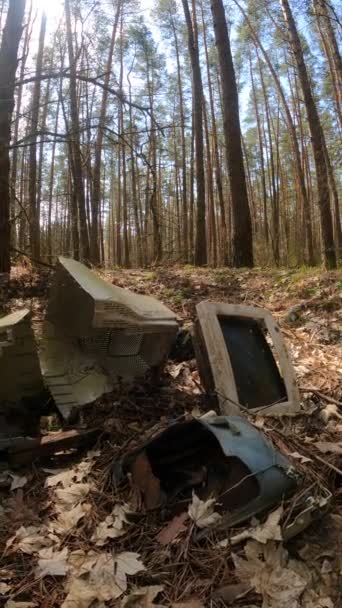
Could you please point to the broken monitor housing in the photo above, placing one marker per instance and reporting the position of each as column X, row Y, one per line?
column 96, row 333
column 242, row 359
column 21, row 383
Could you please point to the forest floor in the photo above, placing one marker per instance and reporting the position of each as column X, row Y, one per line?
column 62, row 551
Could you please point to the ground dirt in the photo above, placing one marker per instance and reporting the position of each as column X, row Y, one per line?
column 190, row 570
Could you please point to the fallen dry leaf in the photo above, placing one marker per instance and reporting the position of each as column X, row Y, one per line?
column 31, row 539
column 303, row 459
column 4, row 588
column 81, row 593
column 18, row 481
column 269, row 530
column 69, row 518
column 81, row 562
column 230, row 593
column 64, row 478
column 52, row 563
column 202, row 512
column 282, row 582
column 6, row 575
column 142, row 598
column 327, row 447
column 112, row 526
column 173, row 529
column 146, row 481
column 330, row 411
column 72, row 494
column 99, row 577
column 176, row 370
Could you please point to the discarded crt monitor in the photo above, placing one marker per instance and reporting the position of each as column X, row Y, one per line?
column 21, row 382
column 96, row 333
column 238, row 363
column 222, row 457
column 19, row 364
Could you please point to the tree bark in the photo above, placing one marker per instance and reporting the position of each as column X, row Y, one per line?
column 8, row 66
column 200, row 258
column 33, row 198
column 218, row 173
column 242, row 238
column 15, row 155
column 261, row 153
column 78, row 184
column 331, row 49
column 183, row 144
column 96, row 195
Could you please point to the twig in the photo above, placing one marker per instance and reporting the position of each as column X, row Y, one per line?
column 311, row 389
column 328, row 464
column 34, row 260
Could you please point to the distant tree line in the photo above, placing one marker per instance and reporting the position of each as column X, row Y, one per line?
column 204, row 133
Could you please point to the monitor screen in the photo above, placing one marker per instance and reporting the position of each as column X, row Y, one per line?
column 257, row 377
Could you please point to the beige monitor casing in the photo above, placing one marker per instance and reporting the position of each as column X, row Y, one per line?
column 96, row 333
column 20, row 375
column 214, row 362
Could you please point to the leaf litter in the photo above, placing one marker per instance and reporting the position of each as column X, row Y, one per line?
column 75, row 505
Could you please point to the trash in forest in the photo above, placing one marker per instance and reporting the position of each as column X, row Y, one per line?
column 22, row 450
column 21, row 386
column 238, row 364
column 224, row 459
column 19, row 364
column 96, row 333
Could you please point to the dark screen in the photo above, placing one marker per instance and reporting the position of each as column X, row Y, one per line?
column 256, row 373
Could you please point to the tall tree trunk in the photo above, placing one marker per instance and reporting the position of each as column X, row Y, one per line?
column 212, row 240
column 242, row 238
column 192, row 193
column 78, row 184
column 51, row 178
column 15, row 155
column 183, row 144
column 33, row 198
column 261, row 153
column 41, row 158
column 275, row 215
column 134, row 180
column 96, row 195
column 197, row 93
column 8, row 66
column 317, row 139
column 331, row 49
column 218, row 173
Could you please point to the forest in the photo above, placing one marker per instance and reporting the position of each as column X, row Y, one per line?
column 170, row 304
column 142, row 133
